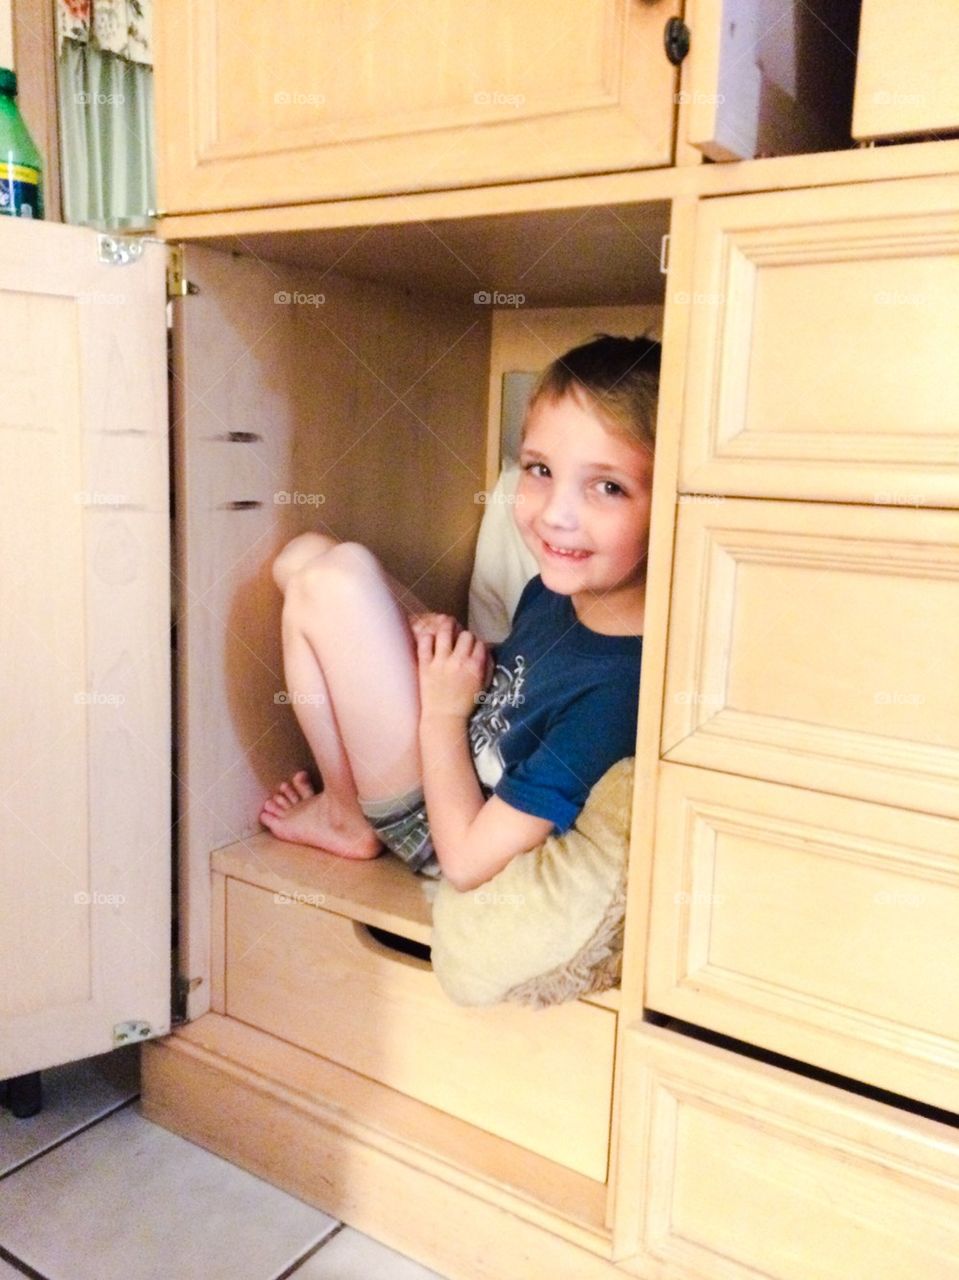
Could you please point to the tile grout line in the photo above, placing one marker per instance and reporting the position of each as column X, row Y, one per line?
column 19, row 1265
column 60, row 1142
column 294, row 1267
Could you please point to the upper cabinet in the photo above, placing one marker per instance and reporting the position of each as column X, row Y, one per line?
column 322, row 99
column 906, row 81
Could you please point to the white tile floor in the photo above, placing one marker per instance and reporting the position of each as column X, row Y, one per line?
column 89, row 1190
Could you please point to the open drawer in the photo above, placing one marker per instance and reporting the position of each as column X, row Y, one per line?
column 296, row 958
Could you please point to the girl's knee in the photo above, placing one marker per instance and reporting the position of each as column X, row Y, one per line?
column 345, row 568
column 298, row 552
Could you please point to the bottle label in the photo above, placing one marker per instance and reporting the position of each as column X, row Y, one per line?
column 19, row 191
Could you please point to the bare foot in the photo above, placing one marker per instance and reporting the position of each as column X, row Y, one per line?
column 295, row 812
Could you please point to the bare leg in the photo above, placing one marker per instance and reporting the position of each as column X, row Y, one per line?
column 351, row 674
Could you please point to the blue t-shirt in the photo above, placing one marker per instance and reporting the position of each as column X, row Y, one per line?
column 560, row 710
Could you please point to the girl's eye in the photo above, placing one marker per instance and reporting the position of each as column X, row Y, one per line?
column 536, row 468
column 611, row 489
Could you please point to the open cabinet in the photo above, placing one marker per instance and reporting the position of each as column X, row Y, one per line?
column 771, row 1092
column 351, row 362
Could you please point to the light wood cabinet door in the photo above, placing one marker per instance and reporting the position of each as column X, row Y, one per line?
column 737, row 1170
column 906, row 81
column 816, row 926
column 85, row 636
column 821, row 349
column 816, row 645
column 323, row 98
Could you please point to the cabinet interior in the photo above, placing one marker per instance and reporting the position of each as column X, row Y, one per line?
column 351, row 381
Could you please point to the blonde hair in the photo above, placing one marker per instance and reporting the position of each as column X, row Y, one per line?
column 618, row 378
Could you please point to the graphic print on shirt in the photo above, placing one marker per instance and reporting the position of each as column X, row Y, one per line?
column 491, row 719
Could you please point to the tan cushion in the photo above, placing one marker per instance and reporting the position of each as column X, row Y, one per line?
column 549, row 926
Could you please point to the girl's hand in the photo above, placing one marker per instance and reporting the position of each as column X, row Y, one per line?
column 429, row 623
column 453, row 668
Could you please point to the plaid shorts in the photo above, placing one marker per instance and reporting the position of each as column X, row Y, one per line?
column 402, row 826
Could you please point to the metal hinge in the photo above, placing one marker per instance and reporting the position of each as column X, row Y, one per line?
column 181, row 992
column 129, row 1032
column 676, row 39
column 177, row 285
column 118, row 251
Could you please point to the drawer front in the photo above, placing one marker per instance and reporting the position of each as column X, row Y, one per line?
column 539, row 1078
column 816, row 645
column 819, row 927
column 906, row 61
column 735, row 1170
column 821, row 352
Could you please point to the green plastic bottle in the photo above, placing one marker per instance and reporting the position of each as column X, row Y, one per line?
column 21, row 168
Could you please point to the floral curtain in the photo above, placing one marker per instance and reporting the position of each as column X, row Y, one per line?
column 124, row 27
column 105, row 91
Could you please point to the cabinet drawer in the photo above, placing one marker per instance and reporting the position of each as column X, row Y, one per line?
column 815, row 645
column 906, row 79
column 735, row 1170
column 539, row 1078
column 819, row 927
column 821, row 350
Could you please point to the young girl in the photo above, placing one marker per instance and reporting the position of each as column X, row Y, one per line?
column 454, row 756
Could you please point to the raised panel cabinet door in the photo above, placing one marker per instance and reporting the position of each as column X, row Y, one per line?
column 259, row 106
column 85, row 762
column 906, row 80
column 737, row 1170
column 822, row 345
column 816, row 645
column 816, row 926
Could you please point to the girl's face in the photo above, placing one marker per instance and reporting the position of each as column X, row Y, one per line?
column 582, row 508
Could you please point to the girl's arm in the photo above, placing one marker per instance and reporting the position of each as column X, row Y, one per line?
column 473, row 838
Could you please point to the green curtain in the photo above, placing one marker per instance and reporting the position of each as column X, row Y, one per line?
column 106, row 138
